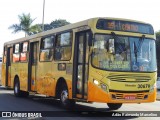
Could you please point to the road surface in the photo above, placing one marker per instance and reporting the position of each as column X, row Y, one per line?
column 85, row 111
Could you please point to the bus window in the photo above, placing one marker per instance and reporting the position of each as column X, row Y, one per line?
column 16, row 55
column 63, row 46
column 46, row 52
column 5, row 53
column 111, row 57
column 24, row 51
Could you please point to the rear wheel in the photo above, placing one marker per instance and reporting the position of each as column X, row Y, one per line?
column 114, row 106
column 17, row 91
column 65, row 102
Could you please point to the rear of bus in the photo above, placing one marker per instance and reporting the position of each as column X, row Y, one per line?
column 123, row 63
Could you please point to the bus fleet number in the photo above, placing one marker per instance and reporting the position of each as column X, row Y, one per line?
column 143, row 85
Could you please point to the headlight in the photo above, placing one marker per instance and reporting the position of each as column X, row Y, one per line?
column 96, row 82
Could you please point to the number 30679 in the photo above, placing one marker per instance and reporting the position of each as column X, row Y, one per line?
column 143, row 85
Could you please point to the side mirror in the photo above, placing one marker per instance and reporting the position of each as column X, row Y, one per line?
column 90, row 39
column 111, row 46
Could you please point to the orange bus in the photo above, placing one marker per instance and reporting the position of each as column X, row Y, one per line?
column 106, row 60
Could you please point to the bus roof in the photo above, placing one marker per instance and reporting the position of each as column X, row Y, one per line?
column 67, row 27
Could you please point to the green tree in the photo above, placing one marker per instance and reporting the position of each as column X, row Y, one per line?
column 59, row 23
column 158, row 50
column 25, row 25
column 55, row 24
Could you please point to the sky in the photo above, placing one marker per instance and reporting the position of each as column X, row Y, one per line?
column 74, row 11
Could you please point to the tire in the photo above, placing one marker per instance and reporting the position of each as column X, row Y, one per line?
column 114, row 106
column 17, row 91
column 65, row 102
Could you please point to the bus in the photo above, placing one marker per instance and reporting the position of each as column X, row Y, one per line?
column 106, row 60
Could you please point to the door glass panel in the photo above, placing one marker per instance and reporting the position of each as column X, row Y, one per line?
column 34, row 60
column 79, row 82
column 86, row 80
column 80, row 63
column 81, row 52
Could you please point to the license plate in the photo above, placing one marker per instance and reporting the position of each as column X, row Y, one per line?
column 129, row 97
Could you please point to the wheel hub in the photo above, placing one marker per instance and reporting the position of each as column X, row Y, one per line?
column 64, row 96
column 16, row 88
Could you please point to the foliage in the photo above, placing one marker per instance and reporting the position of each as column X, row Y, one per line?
column 55, row 24
column 25, row 25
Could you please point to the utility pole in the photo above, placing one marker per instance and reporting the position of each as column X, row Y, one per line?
column 43, row 15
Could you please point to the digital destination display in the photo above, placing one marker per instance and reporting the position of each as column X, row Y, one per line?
column 126, row 26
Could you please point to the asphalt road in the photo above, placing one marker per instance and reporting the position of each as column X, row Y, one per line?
column 85, row 111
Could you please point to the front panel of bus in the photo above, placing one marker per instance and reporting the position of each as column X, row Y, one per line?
column 123, row 62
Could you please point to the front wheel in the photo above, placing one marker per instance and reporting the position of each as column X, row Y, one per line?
column 65, row 102
column 114, row 106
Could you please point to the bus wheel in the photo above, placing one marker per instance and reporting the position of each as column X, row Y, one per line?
column 65, row 102
column 114, row 106
column 17, row 91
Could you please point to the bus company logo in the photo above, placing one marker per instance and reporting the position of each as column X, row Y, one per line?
column 6, row 114
column 130, row 85
column 21, row 115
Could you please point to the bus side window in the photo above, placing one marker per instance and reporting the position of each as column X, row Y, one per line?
column 63, row 46
column 16, row 56
column 46, row 52
column 4, row 55
column 24, row 51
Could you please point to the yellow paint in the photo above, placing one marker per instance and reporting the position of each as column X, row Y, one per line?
column 3, row 74
column 69, row 84
column 9, row 76
column 96, row 94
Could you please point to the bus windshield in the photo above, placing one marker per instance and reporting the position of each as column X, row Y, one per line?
column 121, row 53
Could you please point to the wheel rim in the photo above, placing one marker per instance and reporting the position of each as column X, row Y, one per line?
column 16, row 88
column 64, row 96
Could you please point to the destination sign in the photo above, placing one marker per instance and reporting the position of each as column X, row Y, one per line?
column 126, row 26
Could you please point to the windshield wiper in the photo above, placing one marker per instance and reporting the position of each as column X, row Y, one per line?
column 120, row 47
column 136, row 49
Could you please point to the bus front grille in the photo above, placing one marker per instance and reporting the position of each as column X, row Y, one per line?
column 129, row 78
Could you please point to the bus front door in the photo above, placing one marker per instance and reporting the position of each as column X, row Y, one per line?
column 80, row 68
column 33, row 61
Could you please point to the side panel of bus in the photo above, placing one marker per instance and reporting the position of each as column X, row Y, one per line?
column 44, row 69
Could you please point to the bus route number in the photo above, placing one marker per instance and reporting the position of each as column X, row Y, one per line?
column 143, row 86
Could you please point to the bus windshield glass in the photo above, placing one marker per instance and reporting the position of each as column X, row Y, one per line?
column 119, row 53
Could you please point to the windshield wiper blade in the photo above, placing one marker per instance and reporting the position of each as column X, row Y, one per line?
column 120, row 47
column 136, row 49
column 140, row 42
